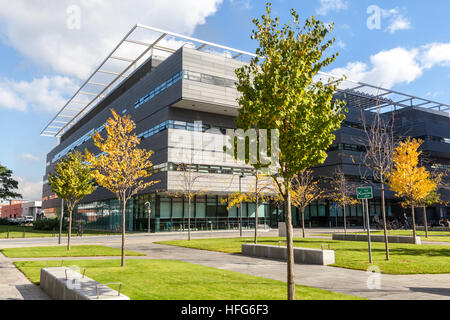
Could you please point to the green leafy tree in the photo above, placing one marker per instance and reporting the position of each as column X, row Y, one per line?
column 280, row 91
column 8, row 185
column 72, row 181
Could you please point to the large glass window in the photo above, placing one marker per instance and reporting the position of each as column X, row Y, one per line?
column 164, row 207
column 211, row 206
column 177, row 208
column 251, row 210
column 322, row 210
column 200, row 207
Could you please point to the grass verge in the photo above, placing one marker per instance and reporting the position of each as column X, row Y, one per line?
column 18, row 232
column 61, row 251
column 177, row 280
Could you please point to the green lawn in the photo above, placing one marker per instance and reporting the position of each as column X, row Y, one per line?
column 17, row 232
column 61, row 251
column 405, row 258
column 437, row 236
column 176, row 280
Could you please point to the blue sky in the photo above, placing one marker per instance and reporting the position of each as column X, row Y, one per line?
column 43, row 60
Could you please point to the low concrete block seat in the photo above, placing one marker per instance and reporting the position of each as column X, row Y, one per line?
column 66, row 284
column 375, row 238
column 301, row 255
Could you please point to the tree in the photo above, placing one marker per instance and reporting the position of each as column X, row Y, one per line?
column 8, row 185
column 304, row 192
column 343, row 193
column 279, row 92
column 121, row 167
column 379, row 156
column 408, row 180
column 188, row 184
column 72, row 181
column 262, row 191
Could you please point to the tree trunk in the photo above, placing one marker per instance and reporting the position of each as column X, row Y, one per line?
column 303, row 222
column 383, row 210
column 256, row 210
column 124, row 203
column 290, row 246
column 425, row 222
column 414, row 224
column 69, row 233
column 189, row 219
column 256, row 221
column 345, row 219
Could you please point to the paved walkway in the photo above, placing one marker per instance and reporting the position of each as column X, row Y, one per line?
column 15, row 286
column 401, row 287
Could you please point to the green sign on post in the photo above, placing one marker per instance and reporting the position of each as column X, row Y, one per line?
column 364, row 193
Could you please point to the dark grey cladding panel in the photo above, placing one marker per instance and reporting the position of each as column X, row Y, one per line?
column 433, row 149
column 103, row 194
column 158, row 144
column 209, row 118
column 126, row 100
column 350, row 136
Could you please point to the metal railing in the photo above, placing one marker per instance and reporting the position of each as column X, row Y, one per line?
column 104, row 284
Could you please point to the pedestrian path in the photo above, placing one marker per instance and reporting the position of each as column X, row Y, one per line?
column 15, row 286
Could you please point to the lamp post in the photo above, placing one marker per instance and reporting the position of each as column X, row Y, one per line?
column 149, row 209
column 240, row 206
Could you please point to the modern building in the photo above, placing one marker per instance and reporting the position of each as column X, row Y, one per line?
column 180, row 90
column 31, row 209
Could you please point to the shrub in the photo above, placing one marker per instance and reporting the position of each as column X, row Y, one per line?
column 4, row 222
column 47, row 224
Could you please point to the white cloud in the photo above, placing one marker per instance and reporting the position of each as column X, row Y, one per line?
column 30, row 157
column 436, row 54
column 387, row 68
column 331, row 5
column 29, row 190
column 241, row 4
column 46, row 94
column 399, row 65
column 38, row 29
column 397, row 20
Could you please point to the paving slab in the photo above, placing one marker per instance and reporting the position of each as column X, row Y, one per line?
column 15, row 286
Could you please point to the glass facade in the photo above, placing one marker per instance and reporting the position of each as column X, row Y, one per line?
column 209, row 212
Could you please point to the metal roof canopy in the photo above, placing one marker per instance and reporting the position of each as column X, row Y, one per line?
column 371, row 98
column 138, row 45
column 142, row 42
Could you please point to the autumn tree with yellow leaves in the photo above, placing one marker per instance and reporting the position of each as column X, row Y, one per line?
column 408, row 179
column 342, row 193
column 305, row 191
column 262, row 191
column 121, row 167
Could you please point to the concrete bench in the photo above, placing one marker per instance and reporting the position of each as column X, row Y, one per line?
column 66, row 284
column 447, row 229
column 301, row 255
column 375, row 238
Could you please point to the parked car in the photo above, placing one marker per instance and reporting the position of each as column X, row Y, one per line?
column 29, row 219
column 13, row 221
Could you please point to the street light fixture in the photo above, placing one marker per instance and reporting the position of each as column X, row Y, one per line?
column 149, row 209
column 240, row 206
